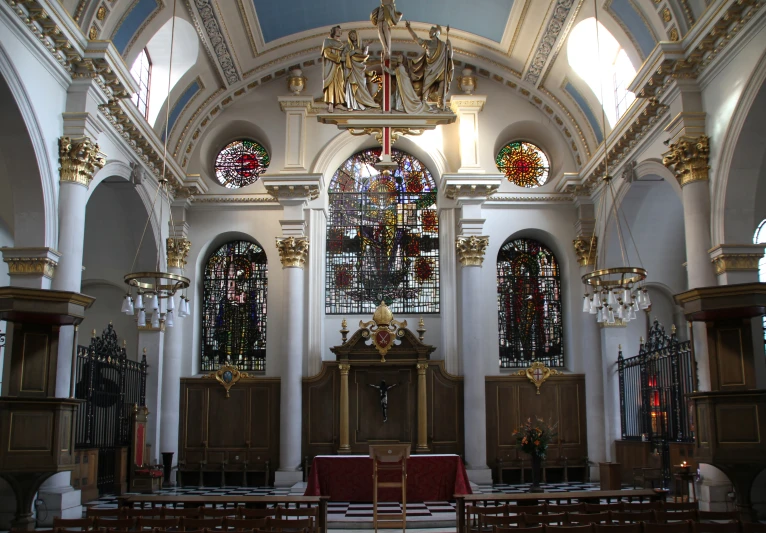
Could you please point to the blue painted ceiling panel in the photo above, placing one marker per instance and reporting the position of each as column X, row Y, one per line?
column 627, row 13
column 486, row 18
column 587, row 111
column 180, row 104
column 138, row 14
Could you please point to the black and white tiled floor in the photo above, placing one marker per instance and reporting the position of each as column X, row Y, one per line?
column 342, row 513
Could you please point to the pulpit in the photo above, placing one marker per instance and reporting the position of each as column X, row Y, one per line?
column 387, row 458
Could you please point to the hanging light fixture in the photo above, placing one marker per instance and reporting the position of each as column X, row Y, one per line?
column 158, row 286
column 616, row 292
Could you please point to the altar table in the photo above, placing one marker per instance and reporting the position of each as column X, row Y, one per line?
column 348, row 478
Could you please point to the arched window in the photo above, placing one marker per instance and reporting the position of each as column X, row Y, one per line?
column 523, row 163
column 760, row 238
column 241, row 163
column 234, row 307
column 607, row 74
column 382, row 237
column 142, row 73
column 529, row 305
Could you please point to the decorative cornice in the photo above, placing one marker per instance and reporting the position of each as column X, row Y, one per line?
column 220, row 46
column 736, row 263
column 531, row 198
column 470, row 250
column 618, row 323
column 177, row 250
column 79, row 159
column 472, row 102
column 548, row 41
column 688, row 159
column 31, row 261
column 586, row 250
column 233, row 199
column 454, row 190
column 293, row 251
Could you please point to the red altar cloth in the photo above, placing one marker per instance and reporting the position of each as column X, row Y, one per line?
column 348, row 478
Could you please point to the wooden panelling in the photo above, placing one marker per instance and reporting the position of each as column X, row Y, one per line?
column 511, row 400
column 737, row 424
column 34, row 356
column 321, row 411
column 225, row 431
column 632, row 454
column 367, row 425
column 445, row 412
column 31, row 431
column 731, row 355
column 85, row 473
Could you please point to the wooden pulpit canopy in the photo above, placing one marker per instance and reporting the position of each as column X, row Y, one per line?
column 383, row 339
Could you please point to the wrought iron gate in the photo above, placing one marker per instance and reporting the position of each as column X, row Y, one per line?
column 111, row 385
column 653, row 385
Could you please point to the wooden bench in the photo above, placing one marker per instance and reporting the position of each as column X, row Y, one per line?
column 463, row 500
column 239, row 471
column 149, row 500
column 524, row 465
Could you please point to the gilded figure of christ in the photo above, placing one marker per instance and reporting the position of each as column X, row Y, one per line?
column 385, row 17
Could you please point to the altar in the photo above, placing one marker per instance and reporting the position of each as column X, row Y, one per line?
column 348, row 478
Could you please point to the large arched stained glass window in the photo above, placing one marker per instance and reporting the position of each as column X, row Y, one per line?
column 241, row 163
column 523, row 164
column 529, row 305
column 382, row 237
column 234, row 307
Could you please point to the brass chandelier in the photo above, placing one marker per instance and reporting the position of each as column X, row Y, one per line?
column 613, row 293
column 154, row 287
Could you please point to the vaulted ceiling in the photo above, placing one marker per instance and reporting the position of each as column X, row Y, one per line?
column 517, row 43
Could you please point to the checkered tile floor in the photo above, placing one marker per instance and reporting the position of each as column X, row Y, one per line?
column 346, row 513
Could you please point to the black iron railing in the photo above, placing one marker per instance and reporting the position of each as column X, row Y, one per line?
column 653, row 385
column 110, row 385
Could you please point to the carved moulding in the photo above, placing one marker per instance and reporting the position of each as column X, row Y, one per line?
column 537, row 373
column 383, row 329
column 470, row 250
column 293, row 251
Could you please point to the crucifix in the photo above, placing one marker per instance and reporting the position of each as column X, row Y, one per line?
column 383, row 389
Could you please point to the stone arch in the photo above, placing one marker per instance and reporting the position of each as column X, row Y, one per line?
column 24, row 152
column 737, row 189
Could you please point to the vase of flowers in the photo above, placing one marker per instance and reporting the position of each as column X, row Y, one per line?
column 533, row 438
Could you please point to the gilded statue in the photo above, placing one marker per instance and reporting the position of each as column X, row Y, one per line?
column 433, row 70
column 333, row 72
column 385, row 17
column 357, row 96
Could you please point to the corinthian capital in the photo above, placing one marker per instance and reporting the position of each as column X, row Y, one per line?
column 470, row 250
column 79, row 159
column 688, row 159
column 177, row 250
column 293, row 251
column 585, row 248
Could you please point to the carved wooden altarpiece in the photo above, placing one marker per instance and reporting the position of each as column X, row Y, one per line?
column 342, row 404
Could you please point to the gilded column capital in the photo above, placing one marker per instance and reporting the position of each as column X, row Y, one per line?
column 735, row 263
column 79, row 159
column 586, row 250
column 177, row 250
column 688, row 159
column 470, row 250
column 344, row 369
column 422, row 367
column 293, row 251
column 31, row 266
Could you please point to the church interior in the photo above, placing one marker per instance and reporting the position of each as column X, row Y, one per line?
column 314, row 265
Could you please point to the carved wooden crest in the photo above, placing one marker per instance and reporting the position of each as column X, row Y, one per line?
column 537, row 373
column 383, row 330
column 227, row 375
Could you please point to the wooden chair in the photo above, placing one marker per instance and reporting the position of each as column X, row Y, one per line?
column 601, row 507
column 498, row 529
column 558, row 519
column 246, row 523
column 201, row 523
column 618, row 528
column 589, row 518
column 285, row 525
column 717, row 527
column 673, row 527
column 257, row 513
column 587, row 528
column 172, row 512
column 305, row 512
column 164, row 524
column 477, row 513
column 530, row 509
column 651, row 473
column 490, row 522
column 680, row 506
column 753, row 527
column 210, row 512
column 728, row 516
column 154, row 512
column 632, row 507
column 664, row 517
column 73, row 524
column 94, row 512
column 566, row 507
column 635, row 517
column 388, row 458
column 115, row 523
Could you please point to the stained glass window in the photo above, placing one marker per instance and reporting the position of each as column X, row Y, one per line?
column 529, row 305
column 234, row 307
column 523, row 163
column 241, row 163
column 382, row 237
column 142, row 73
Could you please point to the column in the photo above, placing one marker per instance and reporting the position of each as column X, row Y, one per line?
column 467, row 109
column 422, row 446
column 294, row 193
column 448, row 267
column 470, row 251
column 613, row 339
column 292, row 253
column 344, row 444
column 79, row 160
column 688, row 159
column 172, row 349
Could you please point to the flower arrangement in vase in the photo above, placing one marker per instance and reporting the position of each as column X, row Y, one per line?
column 533, row 438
